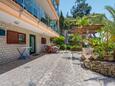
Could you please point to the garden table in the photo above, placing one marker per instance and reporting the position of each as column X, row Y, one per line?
column 23, row 52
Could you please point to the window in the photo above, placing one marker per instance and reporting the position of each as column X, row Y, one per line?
column 2, row 32
column 43, row 41
column 22, row 38
column 35, row 12
column 20, row 2
column 15, row 37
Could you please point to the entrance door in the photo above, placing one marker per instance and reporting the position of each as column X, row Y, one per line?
column 32, row 44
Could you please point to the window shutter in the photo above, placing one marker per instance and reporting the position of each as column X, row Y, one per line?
column 2, row 32
column 43, row 41
column 12, row 37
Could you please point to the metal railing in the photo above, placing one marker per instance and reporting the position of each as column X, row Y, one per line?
column 56, row 6
column 35, row 10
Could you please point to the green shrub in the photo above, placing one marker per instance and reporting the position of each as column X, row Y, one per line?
column 76, row 48
column 68, row 47
column 59, row 41
column 63, row 46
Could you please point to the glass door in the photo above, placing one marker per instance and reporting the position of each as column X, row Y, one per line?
column 32, row 44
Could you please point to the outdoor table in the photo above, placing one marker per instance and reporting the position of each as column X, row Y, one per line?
column 24, row 52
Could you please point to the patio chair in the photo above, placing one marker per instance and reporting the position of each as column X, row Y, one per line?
column 44, row 48
column 55, row 49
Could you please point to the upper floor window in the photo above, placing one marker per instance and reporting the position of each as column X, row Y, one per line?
column 20, row 2
column 35, row 12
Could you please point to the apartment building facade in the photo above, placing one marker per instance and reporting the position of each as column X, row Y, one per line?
column 26, row 23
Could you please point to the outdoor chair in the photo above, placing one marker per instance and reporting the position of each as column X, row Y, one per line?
column 55, row 49
column 51, row 49
column 44, row 48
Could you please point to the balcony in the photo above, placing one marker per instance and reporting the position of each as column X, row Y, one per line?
column 36, row 11
column 32, row 8
column 51, row 23
column 56, row 5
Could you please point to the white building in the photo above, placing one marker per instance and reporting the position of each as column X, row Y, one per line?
column 26, row 23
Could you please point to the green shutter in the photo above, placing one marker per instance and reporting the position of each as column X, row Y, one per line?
column 2, row 32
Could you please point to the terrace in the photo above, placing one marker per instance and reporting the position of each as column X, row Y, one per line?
column 40, row 71
column 83, row 54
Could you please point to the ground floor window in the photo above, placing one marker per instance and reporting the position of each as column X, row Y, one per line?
column 22, row 38
column 43, row 40
column 2, row 32
column 14, row 37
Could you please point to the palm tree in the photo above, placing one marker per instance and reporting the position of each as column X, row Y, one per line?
column 111, row 10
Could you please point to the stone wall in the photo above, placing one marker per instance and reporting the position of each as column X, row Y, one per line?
column 105, row 68
column 9, row 52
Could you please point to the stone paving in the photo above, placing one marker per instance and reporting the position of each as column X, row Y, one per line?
column 54, row 70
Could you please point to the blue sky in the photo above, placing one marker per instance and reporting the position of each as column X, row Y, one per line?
column 97, row 6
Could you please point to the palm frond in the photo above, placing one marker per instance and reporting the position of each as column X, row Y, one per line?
column 111, row 10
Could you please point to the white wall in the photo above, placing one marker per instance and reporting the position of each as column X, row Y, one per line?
column 8, row 52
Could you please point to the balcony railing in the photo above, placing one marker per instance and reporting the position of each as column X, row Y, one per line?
column 36, row 11
column 32, row 7
column 56, row 6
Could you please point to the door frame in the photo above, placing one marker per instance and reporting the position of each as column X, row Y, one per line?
column 34, row 43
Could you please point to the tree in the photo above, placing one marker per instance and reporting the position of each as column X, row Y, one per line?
column 69, row 22
column 111, row 11
column 80, row 8
column 61, row 22
column 67, row 15
column 97, row 18
column 82, row 21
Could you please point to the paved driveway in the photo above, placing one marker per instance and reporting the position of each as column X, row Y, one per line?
column 54, row 70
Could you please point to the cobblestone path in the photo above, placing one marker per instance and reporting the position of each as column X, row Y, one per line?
column 54, row 70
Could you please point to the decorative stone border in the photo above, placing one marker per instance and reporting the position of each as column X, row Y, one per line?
column 105, row 68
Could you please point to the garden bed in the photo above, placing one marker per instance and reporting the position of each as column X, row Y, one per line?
column 105, row 68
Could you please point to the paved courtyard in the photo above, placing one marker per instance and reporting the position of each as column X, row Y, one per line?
column 54, row 70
